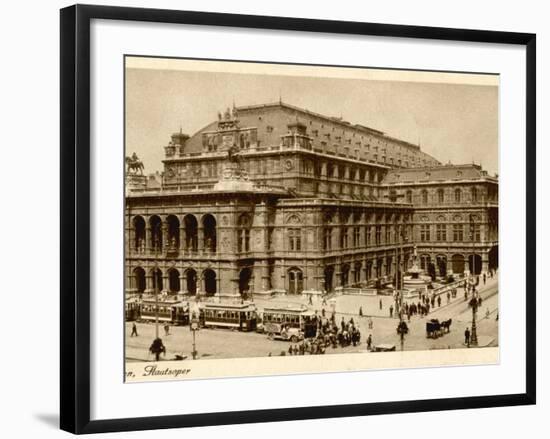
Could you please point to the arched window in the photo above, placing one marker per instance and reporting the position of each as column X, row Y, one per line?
column 139, row 280
column 424, row 196
column 243, row 233
column 209, row 235
column 209, row 277
column 425, row 261
column 174, row 281
column 345, row 275
column 295, row 281
column 156, row 233
column 327, row 238
column 191, row 233
column 139, row 234
column 357, row 272
column 458, row 195
column 173, row 243
column 440, row 196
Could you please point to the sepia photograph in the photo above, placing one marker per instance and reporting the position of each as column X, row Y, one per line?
column 284, row 218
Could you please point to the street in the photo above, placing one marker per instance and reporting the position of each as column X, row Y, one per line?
column 225, row 343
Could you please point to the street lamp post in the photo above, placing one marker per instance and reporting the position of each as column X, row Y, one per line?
column 194, row 328
column 473, row 303
column 156, row 272
column 472, row 237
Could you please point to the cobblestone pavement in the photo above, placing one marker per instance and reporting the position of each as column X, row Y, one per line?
column 223, row 343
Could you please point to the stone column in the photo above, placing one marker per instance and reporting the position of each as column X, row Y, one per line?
column 132, row 239
column 164, row 245
column 218, row 282
column 200, row 237
column 148, row 238
column 265, row 277
column 149, row 287
column 201, row 290
column 183, row 238
column 165, row 282
column 183, row 283
column 484, row 262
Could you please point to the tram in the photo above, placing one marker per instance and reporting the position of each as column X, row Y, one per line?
column 131, row 308
column 170, row 310
column 235, row 316
column 292, row 317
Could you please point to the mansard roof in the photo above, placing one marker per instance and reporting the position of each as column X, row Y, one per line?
column 437, row 174
column 272, row 120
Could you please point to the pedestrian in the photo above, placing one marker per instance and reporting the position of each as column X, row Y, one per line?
column 360, row 311
column 157, row 348
column 369, row 342
column 484, row 278
column 448, row 297
column 290, row 350
column 479, row 300
column 467, row 337
column 371, row 323
column 487, row 313
column 167, row 329
column 438, row 301
column 323, row 312
column 391, row 311
column 134, row 330
column 311, row 299
column 380, row 304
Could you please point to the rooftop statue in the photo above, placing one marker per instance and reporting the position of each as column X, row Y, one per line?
column 234, row 155
column 134, row 165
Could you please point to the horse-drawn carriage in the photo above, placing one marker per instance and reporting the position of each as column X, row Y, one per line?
column 435, row 328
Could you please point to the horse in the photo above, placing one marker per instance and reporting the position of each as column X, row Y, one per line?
column 433, row 328
column 134, row 164
column 446, row 325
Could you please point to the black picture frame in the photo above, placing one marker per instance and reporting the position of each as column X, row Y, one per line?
column 75, row 217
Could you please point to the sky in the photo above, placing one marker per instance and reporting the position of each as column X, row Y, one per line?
column 452, row 122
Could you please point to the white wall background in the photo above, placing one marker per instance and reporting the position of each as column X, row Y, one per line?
column 29, row 249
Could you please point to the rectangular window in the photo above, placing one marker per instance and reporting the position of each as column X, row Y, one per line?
column 357, row 236
column 367, row 236
column 378, row 234
column 294, row 239
column 458, row 232
column 327, row 238
column 441, row 232
column 344, row 238
column 476, row 233
column 424, row 232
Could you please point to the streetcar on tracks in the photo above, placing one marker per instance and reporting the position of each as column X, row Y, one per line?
column 241, row 316
column 169, row 309
column 132, row 306
column 289, row 318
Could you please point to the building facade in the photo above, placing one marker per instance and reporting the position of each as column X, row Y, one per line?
column 273, row 198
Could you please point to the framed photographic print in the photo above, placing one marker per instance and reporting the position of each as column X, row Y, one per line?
column 286, row 209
